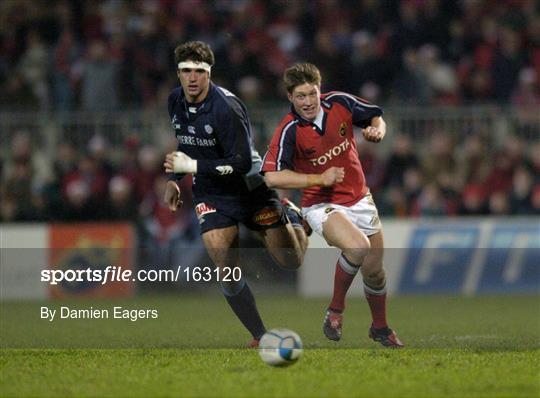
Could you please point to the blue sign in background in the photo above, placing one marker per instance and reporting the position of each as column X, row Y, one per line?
column 440, row 257
column 513, row 261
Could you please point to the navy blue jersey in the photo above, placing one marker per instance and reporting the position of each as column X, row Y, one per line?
column 217, row 133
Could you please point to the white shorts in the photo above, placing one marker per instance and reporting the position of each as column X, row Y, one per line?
column 363, row 214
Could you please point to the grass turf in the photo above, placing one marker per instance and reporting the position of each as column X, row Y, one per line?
column 457, row 346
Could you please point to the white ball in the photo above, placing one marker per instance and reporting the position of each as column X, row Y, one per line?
column 280, row 347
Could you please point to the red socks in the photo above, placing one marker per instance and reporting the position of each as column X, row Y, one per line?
column 344, row 275
column 377, row 304
column 376, row 298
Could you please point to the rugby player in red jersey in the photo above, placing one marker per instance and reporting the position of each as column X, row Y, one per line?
column 313, row 149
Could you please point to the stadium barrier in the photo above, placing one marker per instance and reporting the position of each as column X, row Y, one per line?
column 153, row 127
column 29, row 249
column 448, row 256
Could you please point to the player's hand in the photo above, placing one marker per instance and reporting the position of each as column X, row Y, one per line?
column 373, row 134
column 179, row 162
column 332, row 176
column 172, row 196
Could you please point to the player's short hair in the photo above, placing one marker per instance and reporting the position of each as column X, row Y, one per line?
column 197, row 51
column 299, row 74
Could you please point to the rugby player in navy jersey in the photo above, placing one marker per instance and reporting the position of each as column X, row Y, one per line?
column 215, row 146
column 314, row 149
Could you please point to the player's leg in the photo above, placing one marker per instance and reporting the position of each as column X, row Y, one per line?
column 375, row 291
column 222, row 247
column 300, row 226
column 339, row 231
column 284, row 245
column 274, row 221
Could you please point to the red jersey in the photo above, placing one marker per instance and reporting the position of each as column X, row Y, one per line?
column 313, row 147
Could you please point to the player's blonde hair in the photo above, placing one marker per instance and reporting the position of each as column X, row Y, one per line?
column 299, row 74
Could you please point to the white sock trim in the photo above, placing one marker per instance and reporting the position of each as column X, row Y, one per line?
column 375, row 292
column 346, row 266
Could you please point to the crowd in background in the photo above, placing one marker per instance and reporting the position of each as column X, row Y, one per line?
column 112, row 54
column 102, row 182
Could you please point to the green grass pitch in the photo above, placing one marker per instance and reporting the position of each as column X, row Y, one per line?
column 456, row 347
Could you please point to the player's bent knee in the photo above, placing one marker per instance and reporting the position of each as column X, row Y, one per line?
column 375, row 277
column 358, row 249
column 289, row 259
column 356, row 256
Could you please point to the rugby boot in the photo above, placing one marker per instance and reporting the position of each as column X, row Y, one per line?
column 332, row 325
column 386, row 336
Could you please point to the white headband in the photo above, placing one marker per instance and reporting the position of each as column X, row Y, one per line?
column 194, row 65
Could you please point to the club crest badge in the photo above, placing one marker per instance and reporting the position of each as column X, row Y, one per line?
column 343, row 129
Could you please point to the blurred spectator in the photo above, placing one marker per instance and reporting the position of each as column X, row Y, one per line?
column 441, row 76
column 94, row 178
column 122, row 205
column 99, row 80
column 128, row 163
column 150, row 168
column 33, row 66
column 535, row 200
column 499, row 204
column 473, row 201
column 520, row 196
column 9, row 211
column 410, row 84
column 440, row 165
column 17, row 94
column 500, row 176
column 98, row 148
column 371, row 164
column 365, row 63
column 18, row 185
column 79, row 203
column 249, row 88
column 473, row 159
column 507, row 63
column 393, row 202
column 23, row 150
column 430, row 202
column 412, row 187
column 66, row 54
column 401, row 159
column 527, row 99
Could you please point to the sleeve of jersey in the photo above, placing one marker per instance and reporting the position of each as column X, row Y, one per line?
column 234, row 137
column 362, row 110
column 281, row 149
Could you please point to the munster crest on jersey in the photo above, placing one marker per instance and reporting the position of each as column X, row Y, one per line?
column 343, row 129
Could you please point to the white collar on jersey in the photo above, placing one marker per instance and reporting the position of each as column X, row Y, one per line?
column 319, row 119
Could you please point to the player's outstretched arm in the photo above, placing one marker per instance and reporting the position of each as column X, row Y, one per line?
column 288, row 179
column 376, row 131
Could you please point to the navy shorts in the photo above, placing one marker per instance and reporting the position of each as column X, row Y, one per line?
column 259, row 210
